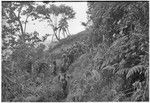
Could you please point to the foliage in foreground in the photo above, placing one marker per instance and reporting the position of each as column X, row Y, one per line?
column 114, row 66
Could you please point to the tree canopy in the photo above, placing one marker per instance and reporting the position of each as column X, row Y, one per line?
column 57, row 17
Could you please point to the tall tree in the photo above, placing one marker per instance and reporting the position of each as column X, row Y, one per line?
column 15, row 16
column 14, row 12
column 57, row 17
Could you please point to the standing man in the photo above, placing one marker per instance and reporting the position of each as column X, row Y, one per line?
column 63, row 68
column 55, row 68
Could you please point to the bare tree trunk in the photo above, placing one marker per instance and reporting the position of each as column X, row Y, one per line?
column 55, row 33
column 68, row 31
column 21, row 30
column 63, row 33
column 59, row 33
column 20, row 24
column 67, row 34
column 26, row 23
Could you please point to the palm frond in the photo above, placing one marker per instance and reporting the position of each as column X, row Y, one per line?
column 113, row 51
column 109, row 68
column 108, row 71
column 137, row 68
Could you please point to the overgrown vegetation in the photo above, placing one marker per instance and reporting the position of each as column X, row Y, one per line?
column 107, row 62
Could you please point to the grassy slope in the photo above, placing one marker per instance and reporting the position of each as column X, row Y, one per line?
column 70, row 40
column 65, row 43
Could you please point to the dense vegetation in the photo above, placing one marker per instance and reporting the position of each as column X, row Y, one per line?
column 109, row 61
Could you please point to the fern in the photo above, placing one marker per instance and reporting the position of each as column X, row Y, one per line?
column 137, row 68
column 122, row 71
column 109, row 68
column 115, row 49
column 108, row 71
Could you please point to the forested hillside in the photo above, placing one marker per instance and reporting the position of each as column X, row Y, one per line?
column 109, row 61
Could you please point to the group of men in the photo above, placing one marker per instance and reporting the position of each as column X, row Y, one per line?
column 60, row 71
column 66, row 61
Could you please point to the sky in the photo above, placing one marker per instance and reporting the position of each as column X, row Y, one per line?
column 74, row 25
